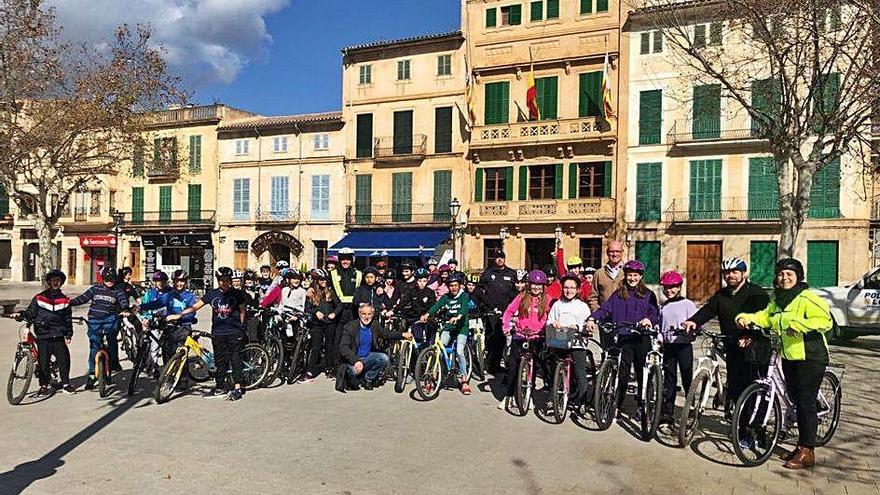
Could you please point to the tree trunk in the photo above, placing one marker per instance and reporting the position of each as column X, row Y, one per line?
column 787, row 214
column 44, row 235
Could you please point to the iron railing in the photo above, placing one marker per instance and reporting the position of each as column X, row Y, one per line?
column 421, row 213
column 277, row 215
column 168, row 217
column 714, row 208
column 708, row 131
column 401, row 147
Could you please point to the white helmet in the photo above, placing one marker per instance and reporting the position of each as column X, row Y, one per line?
column 346, row 252
column 522, row 275
column 281, row 264
column 733, row 263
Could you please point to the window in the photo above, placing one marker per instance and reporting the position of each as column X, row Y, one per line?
column 491, row 17
column 546, row 89
column 165, row 204
column 646, row 46
column 321, row 141
column 707, row 112
column 137, row 204
column 648, row 191
column 537, row 11
column 762, row 262
column 822, row 262
column 552, row 9
column 714, row 31
column 4, row 201
column 593, row 179
column 497, row 183
column 648, row 252
column 825, row 193
column 825, row 101
column 195, row 154
column 511, row 15
column 403, row 73
column 763, row 189
column 320, row 253
column 832, row 14
column 645, row 43
column 365, row 75
column 111, row 203
column 591, row 252
column 590, row 95
column 442, row 195
column 443, row 130
column 401, row 197
column 587, row 8
column 444, row 65
column 658, row 41
column 242, row 147
column 320, row 197
column 403, row 132
column 363, row 198
column 165, row 154
column 194, row 203
column 279, row 144
column 241, row 199
column 497, row 102
column 705, row 189
column 766, row 101
column 137, row 160
column 700, row 36
column 95, row 203
column 364, row 136
column 542, row 181
column 491, row 247
column 279, row 198
column 650, row 117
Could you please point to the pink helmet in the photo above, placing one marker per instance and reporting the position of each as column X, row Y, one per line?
column 671, row 279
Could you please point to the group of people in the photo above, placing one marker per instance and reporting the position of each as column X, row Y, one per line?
column 348, row 309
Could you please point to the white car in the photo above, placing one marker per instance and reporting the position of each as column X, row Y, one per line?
column 855, row 307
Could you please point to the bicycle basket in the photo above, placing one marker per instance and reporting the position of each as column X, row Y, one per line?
column 561, row 338
column 760, row 349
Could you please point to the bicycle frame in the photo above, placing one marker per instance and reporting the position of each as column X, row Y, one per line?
column 712, row 365
column 654, row 357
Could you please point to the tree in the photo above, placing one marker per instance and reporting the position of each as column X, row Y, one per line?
column 70, row 114
column 805, row 72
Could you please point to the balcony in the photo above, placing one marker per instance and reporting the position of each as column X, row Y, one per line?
column 402, row 213
column 543, row 132
column 165, row 171
column 186, row 115
column 688, row 133
column 545, row 210
column 273, row 216
column 737, row 209
column 400, row 148
column 134, row 220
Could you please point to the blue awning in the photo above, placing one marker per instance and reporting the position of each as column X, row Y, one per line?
column 395, row 242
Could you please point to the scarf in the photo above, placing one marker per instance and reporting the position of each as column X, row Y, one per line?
column 784, row 297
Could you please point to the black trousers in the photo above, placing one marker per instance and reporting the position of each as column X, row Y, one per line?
column 46, row 348
column 579, row 367
column 495, row 342
column 323, row 337
column 740, row 372
column 676, row 357
column 227, row 354
column 346, row 315
column 803, row 379
column 633, row 352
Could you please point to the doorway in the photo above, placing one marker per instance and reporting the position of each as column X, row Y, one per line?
column 703, row 270
column 539, row 253
column 32, row 261
column 278, row 252
column 71, row 266
column 134, row 259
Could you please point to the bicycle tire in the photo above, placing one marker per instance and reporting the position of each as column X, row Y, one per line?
column 480, row 361
column 523, row 393
column 296, row 358
column 428, row 374
column 275, row 349
column 756, row 392
column 469, row 360
column 560, row 391
column 102, row 369
column 402, row 367
column 24, row 360
column 653, row 403
column 605, row 396
column 129, row 344
column 197, row 370
column 837, row 393
column 255, row 365
column 171, row 373
column 689, row 417
column 139, row 363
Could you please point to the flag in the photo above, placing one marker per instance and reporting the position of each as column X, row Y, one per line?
column 469, row 95
column 532, row 96
column 607, row 107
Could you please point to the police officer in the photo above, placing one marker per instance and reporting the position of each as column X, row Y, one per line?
column 497, row 283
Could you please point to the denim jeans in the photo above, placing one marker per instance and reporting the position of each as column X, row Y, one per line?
column 460, row 344
column 105, row 326
column 374, row 364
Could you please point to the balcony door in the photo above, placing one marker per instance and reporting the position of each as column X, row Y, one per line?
column 403, row 132
column 703, row 276
column 539, row 253
column 401, row 197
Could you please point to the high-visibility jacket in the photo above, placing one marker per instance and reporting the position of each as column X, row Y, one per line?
column 336, row 278
column 809, row 319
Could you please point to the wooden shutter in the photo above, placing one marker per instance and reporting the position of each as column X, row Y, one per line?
column 762, row 261
column 523, row 182
column 443, row 130
column 763, row 189
column 700, row 36
column 137, row 204
column 194, row 202
column 822, row 263
column 401, row 197
column 137, row 160
column 515, row 16
column 478, row 184
column 645, row 43
column 546, row 88
column 364, row 136
column 648, row 191
column 586, row 6
column 4, row 201
column 497, row 102
column 705, row 189
column 508, row 183
column 363, row 197
column 648, row 252
column 658, row 41
column 650, row 118
column 572, row 180
column 165, row 204
column 403, row 133
column 766, row 100
column 601, row 5
column 491, row 15
column 557, row 181
column 707, row 112
column 826, row 99
column 590, row 94
column 537, row 11
column 607, row 177
column 195, row 153
column 552, row 9
column 825, row 193
column 442, row 195
column 715, row 30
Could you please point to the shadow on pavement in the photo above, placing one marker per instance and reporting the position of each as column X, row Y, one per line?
column 525, row 472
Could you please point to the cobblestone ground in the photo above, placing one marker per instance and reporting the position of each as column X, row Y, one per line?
column 308, row 438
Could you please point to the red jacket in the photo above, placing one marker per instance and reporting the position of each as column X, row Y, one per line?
column 586, row 288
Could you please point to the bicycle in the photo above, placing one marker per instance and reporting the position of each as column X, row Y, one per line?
column 399, row 353
column 478, row 338
column 652, row 385
column 200, row 366
column 298, row 340
column 561, row 340
column 142, row 362
column 438, row 364
column 758, row 414
column 129, row 336
column 25, row 363
column 103, row 367
column 706, row 385
column 608, row 381
column 271, row 339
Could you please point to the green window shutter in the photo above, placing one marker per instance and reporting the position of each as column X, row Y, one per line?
column 645, row 47
column 523, row 182
column 479, row 177
column 715, row 33
column 4, row 201
column 442, row 195
column 491, row 15
column 586, row 6
column 826, row 100
column 363, row 198
column 403, row 132
column 497, row 102
column 443, row 130
column 537, row 11
column 137, row 160
column 766, row 101
column 825, row 193
column 658, row 41
column 546, row 88
column 705, row 189
column 195, row 154
column 137, row 204
column 165, row 204
column 700, row 36
column 590, row 94
column 515, row 15
column 763, row 189
column 552, row 9
column 762, row 262
column 607, row 177
column 650, row 118
column 572, row 180
column 401, row 197
column 822, row 263
column 601, row 5
column 707, row 112
column 194, row 202
column 648, row 191
column 364, row 143
column 648, row 252
column 557, row 185
column 509, row 182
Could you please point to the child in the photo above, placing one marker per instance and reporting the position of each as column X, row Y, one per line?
column 677, row 349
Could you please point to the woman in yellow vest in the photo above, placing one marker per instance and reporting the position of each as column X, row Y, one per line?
column 801, row 319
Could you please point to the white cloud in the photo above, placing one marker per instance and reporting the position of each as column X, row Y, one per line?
column 206, row 41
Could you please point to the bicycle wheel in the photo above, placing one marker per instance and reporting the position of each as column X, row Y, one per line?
column 605, row 396
column 171, row 373
column 129, row 343
column 523, row 393
column 428, row 372
column 20, row 376
column 653, row 398
column 689, row 416
column 275, row 348
column 296, row 358
column 255, row 366
column 469, row 360
column 559, row 391
column 480, row 355
column 197, row 370
column 140, row 363
column 402, row 369
column 828, row 402
column 102, row 369
column 756, row 425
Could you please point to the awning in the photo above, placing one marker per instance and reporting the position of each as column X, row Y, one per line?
column 395, row 243
column 90, row 241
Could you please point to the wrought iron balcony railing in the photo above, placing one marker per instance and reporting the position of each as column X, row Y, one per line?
column 401, row 147
column 409, row 213
column 544, row 131
column 738, row 128
column 167, row 217
column 714, row 208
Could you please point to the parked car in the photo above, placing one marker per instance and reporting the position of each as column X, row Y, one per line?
column 855, row 307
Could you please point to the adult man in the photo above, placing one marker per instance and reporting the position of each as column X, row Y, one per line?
column 497, row 282
column 608, row 278
column 345, row 280
column 737, row 296
column 359, row 350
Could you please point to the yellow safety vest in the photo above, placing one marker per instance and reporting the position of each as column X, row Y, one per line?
column 337, row 285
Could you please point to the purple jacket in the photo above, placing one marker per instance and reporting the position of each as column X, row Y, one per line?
column 628, row 311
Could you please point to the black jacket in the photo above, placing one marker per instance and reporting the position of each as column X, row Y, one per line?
column 476, row 307
column 404, row 286
column 414, row 303
column 725, row 305
column 351, row 339
column 51, row 315
column 391, row 301
column 498, row 288
column 366, row 294
column 333, row 306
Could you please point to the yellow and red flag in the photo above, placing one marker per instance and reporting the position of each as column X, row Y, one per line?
column 532, row 97
column 607, row 105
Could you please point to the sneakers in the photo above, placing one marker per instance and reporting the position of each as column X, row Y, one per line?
column 502, row 405
column 368, row 384
column 67, row 389
column 215, row 393
column 236, row 394
column 306, row 378
column 44, row 391
column 465, row 389
column 90, row 383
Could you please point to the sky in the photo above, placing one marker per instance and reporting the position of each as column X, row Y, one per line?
column 272, row 57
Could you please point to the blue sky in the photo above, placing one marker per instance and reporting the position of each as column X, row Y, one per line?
column 303, row 69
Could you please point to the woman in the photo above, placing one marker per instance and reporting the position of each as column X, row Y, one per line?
column 678, row 350
column 532, row 308
column 801, row 319
column 571, row 312
column 391, row 295
column 323, row 306
column 439, row 284
column 370, row 292
column 632, row 303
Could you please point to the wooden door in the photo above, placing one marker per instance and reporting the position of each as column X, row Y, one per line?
column 703, row 269
column 71, row 266
column 241, row 260
column 134, row 261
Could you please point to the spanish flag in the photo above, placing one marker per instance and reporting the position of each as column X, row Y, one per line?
column 607, row 106
column 532, row 96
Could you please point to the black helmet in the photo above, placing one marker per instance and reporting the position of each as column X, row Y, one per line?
column 250, row 274
column 124, row 272
column 320, row 274
column 406, row 265
column 109, row 274
column 56, row 274
column 550, row 270
column 791, row 264
column 371, row 269
column 455, row 277
column 179, row 275
column 224, row 272
column 265, row 267
column 390, row 274
column 293, row 273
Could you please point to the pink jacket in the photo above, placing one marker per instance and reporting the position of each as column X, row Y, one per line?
column 529, row 327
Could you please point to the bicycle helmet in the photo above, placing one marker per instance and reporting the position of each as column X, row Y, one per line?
column 180, row 275
column 332, row 259
column 422, row 273
column 109, row 274
column 371, row 269
column 224, row 272
column 453, row 261
column 570, row 276
column 390, row 274
column 56, row 274
column 589, row 270
column 444, row 268
column 671, row 279
column 432, row 261
column 124, row 272
column 346, row 253
column 320, row 274
column 522, row 276
column 406, row 265
column 791, row 264
column 292, row 273
column 250, row 274
column 733, row 263
column 550, row 271
column 634, row 266
column 574, row 262
column 237, row 274
column 159, row 276
column 538, row 277
column 455, row 277
column 282, row 264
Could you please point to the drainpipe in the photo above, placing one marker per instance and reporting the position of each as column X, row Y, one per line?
column 259, row 172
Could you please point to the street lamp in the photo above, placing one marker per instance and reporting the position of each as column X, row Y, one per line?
column 117, row 223
column 454, row 207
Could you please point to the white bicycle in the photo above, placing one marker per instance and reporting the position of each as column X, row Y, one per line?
column 707, row 389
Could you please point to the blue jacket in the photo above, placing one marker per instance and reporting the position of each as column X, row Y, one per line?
column 174, row 303
column 106, row 301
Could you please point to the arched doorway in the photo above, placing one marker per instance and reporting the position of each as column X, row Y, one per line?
column 280, row 245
